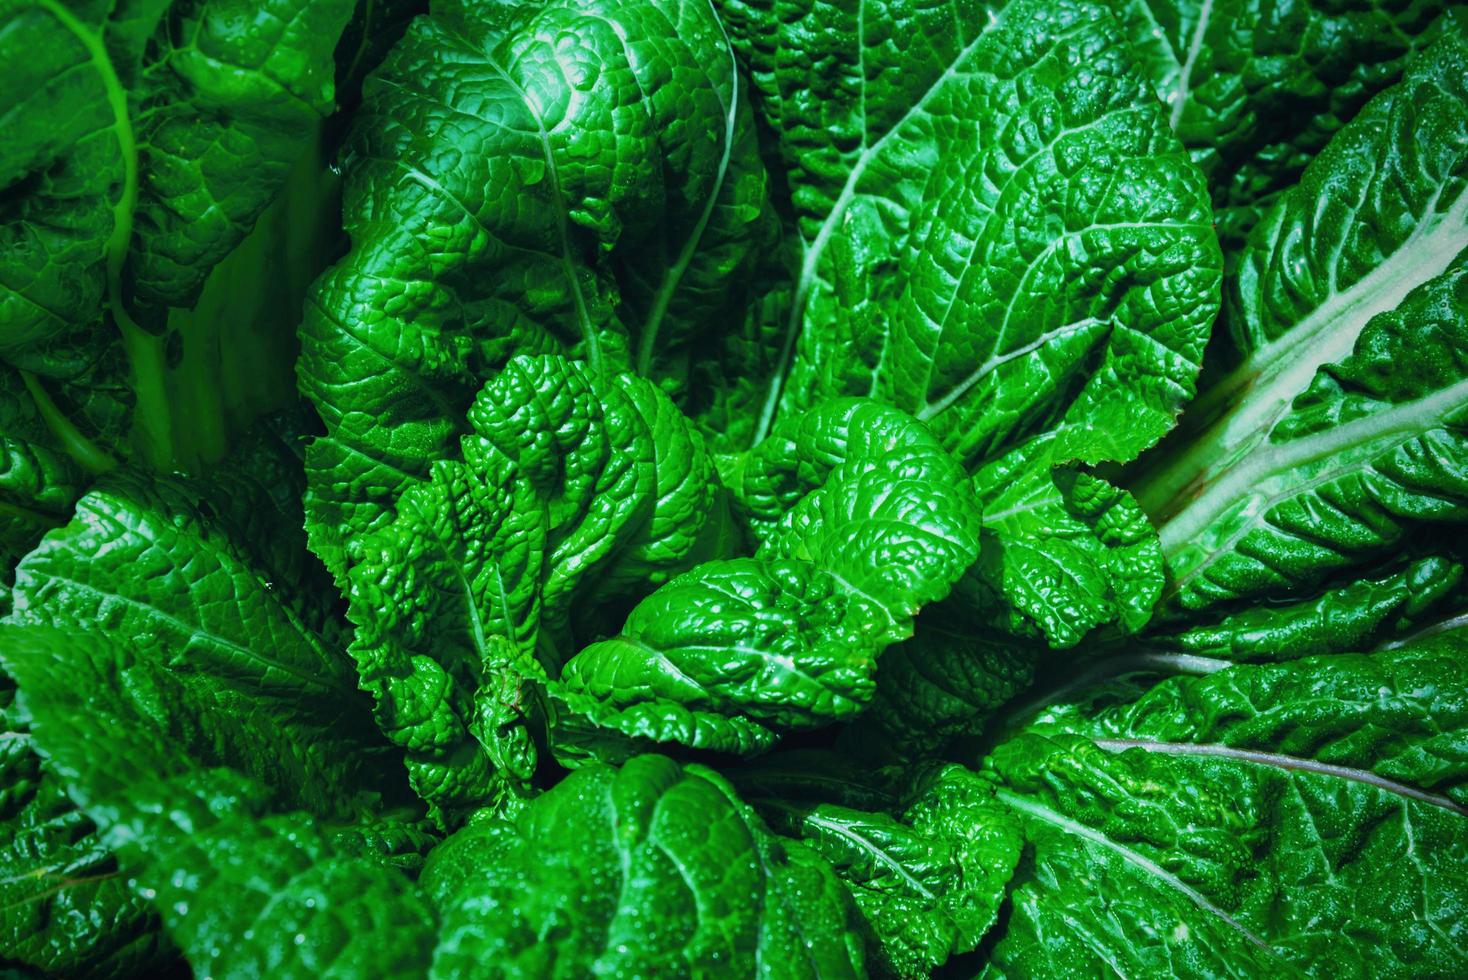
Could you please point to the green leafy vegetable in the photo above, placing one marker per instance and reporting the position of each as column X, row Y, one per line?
column 740, row 507
column 1337, row 429
column 928, row 881
column 570, row 491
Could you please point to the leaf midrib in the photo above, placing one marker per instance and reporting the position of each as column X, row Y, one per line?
column 1281, row 760
column 1239, row 411
column 122, row 212
column 817, row 246
column 857, row 840
column 674, row 274
column 1064, row 824
column 1381, row 432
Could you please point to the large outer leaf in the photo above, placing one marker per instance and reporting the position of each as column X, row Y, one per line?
column 952, row 171
column 565, row 177
column 1002, row 238
column 1374, row 449
column 242, row 891
column 65, row 909
column 575, row 498
column 151, row 564
column 1307, row 816
column 142, row 143
column 1255, row 88
column 653, row 870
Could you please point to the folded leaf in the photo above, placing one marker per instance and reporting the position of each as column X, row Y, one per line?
column 928, row 879
column 1308, row 817
column 654, row 869
column 863, row 520
column 1064, row 551
column 865, row 493
column 772, row 644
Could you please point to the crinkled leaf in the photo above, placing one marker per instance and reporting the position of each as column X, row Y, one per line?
column 574, row 499
column 940, row 685
column 143, row 143
column 631, row 247
column 999, row 232
column 143, row 752
column 927, row 878
column 1377, row 216
column 1374, row 449
column 149, row 564
column 1255, row 89
column 653, row 869
column 1355, row 616
column 65, row 909
column 39, row 482
column 729, row 654
column 1301, row 817
column 863, row 520
column 1064, row 551
column 865, row 493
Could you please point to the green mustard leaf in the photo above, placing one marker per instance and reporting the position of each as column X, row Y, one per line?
column 1378, row 214
column 1255, row 89
column 866, row 493
column 731, row 653
column 156, row 566
column 1375, row 448
column 65, row 908
column 242, row 891
column 927, row 878
column 863, row 520
column 938, row 686
column 630, row 248
column 655, row 869
column 1356, row 616
column 145, row 142
column 997, row 236
column 39, row 481
column 1064, row 551
column 1306, row 817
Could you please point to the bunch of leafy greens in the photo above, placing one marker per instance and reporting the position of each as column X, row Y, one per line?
column 791, row 489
